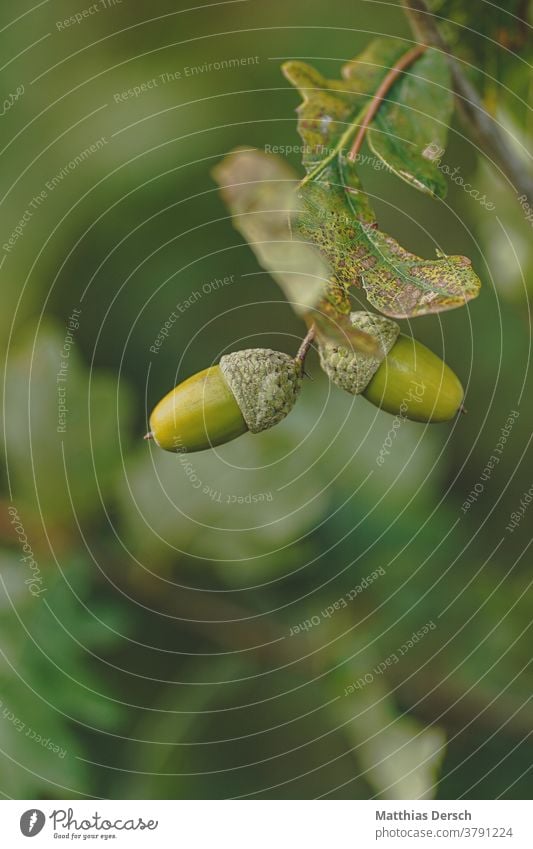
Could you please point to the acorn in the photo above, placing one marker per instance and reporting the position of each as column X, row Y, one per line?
column 410, row 380
column 249, row 390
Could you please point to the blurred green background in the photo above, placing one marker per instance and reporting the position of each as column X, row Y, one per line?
column 146, row 646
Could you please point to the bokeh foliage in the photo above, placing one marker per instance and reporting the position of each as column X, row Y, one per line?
column 159, row 655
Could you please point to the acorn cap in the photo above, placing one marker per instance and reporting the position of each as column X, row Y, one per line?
column 350, row 369
column 265, row 384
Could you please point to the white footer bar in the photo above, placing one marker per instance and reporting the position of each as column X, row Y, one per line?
column 268, row 824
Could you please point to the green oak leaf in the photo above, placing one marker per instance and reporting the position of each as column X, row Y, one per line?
column 410, row 128
column 329, row 107
column 330, row 211
column 408, row 133
column 336, row 214
column 260, row 191
column 337, row 219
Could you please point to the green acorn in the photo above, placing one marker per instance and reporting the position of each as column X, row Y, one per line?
column 249, row 390
column 410, row 381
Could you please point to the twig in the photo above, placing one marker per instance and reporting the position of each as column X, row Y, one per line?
column 306, row 344
column 481, row 125
column 402, row 63
column 363, row 119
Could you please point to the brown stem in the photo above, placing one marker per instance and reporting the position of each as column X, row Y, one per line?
column 306, row 344
column 480, row 124
column 400, row 66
